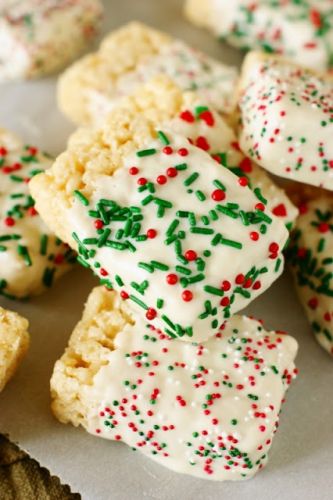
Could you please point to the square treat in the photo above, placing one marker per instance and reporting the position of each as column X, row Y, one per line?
column 287, row 119
column 39, row 37
column 210, row 410
column 299, row 30
column 31, row 257
column 311, row 258
column 157, row 218
column 132, row 55
column 14, row 342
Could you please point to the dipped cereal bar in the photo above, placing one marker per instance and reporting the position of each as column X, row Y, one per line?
column 31, row 257
column 184, row 240
column 209, row 410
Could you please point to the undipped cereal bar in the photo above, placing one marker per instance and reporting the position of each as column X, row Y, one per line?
column 14, row 342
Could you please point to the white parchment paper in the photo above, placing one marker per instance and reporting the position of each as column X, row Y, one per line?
column 301, row 459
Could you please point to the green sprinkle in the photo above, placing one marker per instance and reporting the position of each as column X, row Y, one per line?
column 214, row 291
column 192, row 178
column 201, row 230
column 147, row 200
column 24, row 252
column 168, row 321
column 159, row 303
column 216, row 240
column 163, row 138
column 183, row 270
column 200, row 195
column 181, row 166
column 258, row 193
column 146, row 267
column 116, row 245
column 231, row 243
column 159, row 265
column 138, row 302
column 196, row 278
column 219, row 185
column 106, row 233
column 146, row 152
column 81, row 197
column 119, row 281
column 48, row 277
column 43, row 244
column 173, row 226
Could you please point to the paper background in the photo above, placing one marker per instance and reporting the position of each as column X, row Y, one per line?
column 301, row 459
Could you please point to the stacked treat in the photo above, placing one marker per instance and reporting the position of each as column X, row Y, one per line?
column 172, row 208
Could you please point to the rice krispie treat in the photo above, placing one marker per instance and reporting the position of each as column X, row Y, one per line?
column 14, row 342
column 183, row 239
column 210, row 410
column 311, row 259
column 39, row 37
column 131, row 56
column 287, row 119
column 31, row 257
column 299, row 30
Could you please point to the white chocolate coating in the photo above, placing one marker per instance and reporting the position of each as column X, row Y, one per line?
column 216, row 137
column 185, row 258
column 301, row 31
column 311, row 259
column 190, row 69
column 30, row 255
column 209, row 410
column 38, row 37
column 287, row 120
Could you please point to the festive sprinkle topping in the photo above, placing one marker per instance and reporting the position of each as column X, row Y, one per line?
column 311, row 258
column 225, row 151
column 210, row 410
column 190, row 69
column 298, row 29
column 30, row 28
column 277, row 98
column 30, row 257
column 172, row 244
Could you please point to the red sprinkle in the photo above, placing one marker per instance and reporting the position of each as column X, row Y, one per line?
column 187, row 296
column 172, row 279
column 151, row 234
column 133, row 170
column 218, row 195
column 172, row 172
column 190, row 255
column 161, row 179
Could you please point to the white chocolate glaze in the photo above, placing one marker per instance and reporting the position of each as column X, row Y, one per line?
column 311, row 259
column 209, row 410
column 30, row 255
column 40, row 36
column 190, row 69
column 302, row 30
column 287, row 121
column 185, row 240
